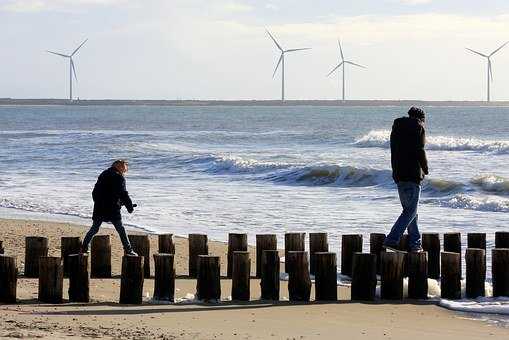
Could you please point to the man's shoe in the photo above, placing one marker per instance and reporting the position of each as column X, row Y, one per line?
column 416, row 250
column 390, row 247
column 131, row 253
column 84, row 251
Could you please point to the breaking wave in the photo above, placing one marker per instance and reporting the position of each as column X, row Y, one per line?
column 381, row 139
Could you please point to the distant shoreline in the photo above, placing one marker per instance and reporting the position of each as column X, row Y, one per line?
column 362, row 103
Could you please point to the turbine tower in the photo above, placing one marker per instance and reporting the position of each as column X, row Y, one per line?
column 72, row 69
column 490, row 71
column 282, row 62
column 342, row 64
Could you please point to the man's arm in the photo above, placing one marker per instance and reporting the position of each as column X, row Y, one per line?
column 124, row 197
column 421, row 153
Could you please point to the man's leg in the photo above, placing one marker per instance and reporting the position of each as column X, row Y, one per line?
column 123, row 235
column 409, row 196
column 414, row 236
column 88, row 237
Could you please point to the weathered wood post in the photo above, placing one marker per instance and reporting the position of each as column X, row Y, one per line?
column 165, row 243
column 78, row 278
column 208, row 283
column 452, row 242
column 350, row 244
column 431, row 244
column 318, row 242
column 131, row 282
column 8, row 279
column 500, row 271
column 51, row 279
column 476, row 272
column 476, row 240
column 198, row 245
column 164, row 277
column 450, row 283
column 392, row 275
column 264, row 242
column 417, row 275
column 68, row 246
column 293, row 242
column 100, row 260
column 326, row 282
column 236, row 242
column 269, row 282
column 376, row 242
column 35, row 248
column 363, row 277
column 299, row 281
column 501, row 239
column 241, row 275
column 1, row 248
column 141, row 245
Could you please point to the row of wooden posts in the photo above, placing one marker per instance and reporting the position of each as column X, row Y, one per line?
column 362, row 267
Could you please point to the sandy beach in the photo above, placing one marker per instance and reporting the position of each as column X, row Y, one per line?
column 105, row 318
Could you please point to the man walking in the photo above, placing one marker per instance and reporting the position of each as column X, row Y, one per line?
column 409, row 166
column 109, row 196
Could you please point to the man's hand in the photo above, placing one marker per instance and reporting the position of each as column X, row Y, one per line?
column 130, row 211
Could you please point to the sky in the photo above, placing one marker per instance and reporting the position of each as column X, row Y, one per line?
column 218, row 49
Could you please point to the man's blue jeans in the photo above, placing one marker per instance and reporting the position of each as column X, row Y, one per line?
column 120, row 230
column 409, row 193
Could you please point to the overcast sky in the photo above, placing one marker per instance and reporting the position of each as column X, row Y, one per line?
column 215, row 49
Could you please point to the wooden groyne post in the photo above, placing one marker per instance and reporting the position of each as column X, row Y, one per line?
column 164, row 277
column 1, row 248
column 100, row 260
column 326, row 271
column 452, row 242
column 299, row 281
column 8, row 279
column 35, row 248
column 293, row 242
column 350, row 244
column 501, row 239
column 376, row 242
column 264, row 242
column 392, row 275
column 141, row 245
column 236, row 242
column 208, row 283
column 68, row 246
column 363, row 277
column 241, row 275
column 132, row 278
column 500, row 271
column 318, row 242
column 450, row 283
column 165, row 244
column 79, row 290
column 198, row 245
column 269, row 282
column 476, row 272
column 417, row 275
column 51, row 279
column 431, row 244
column 476, row 240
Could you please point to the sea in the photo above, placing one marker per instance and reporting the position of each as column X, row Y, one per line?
column 255, row 169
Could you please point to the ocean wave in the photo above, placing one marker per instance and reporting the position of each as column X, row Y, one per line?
column 470, row 202
column 492, row 183
column 381, row 139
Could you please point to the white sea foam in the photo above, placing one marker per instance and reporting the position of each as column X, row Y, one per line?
column 464, row 201
column 492, row 183
column 381, row 138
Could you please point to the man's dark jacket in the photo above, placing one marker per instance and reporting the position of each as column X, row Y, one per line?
column 109, row 195
column 408, row 158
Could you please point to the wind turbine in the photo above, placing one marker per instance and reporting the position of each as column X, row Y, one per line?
column 282, row 62
column 490, row 71
column 72, row 69
column 342, row 64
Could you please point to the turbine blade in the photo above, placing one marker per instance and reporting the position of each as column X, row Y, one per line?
column 498, row 49
column 479, row 53
column 341, row 51
column 277, row 66
column 334, row 69
column 298, row 49
column 352, row 63
column 73, row 70
column 275, row 42
column 76, row 50
column 60, row 54
column 490, row 70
